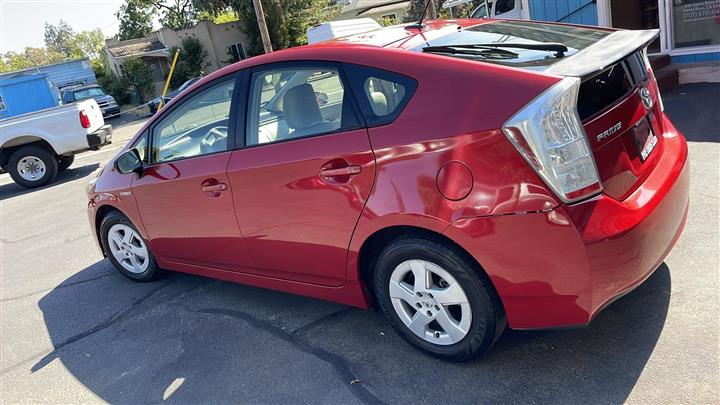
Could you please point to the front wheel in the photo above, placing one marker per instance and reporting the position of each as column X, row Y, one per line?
column 433, row 296
column 126, row 249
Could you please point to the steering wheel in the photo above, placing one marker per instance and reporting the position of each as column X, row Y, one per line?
column 213, row 140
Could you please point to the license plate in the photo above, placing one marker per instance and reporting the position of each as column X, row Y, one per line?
column 645, row 139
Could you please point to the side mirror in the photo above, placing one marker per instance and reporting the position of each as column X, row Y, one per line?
column 129, row 162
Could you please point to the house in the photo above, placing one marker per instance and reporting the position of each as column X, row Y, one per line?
column 383, row 11
column 224, row 43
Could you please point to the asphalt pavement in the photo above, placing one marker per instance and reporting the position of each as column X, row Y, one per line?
column 73, row 330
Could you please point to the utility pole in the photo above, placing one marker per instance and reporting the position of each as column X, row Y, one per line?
column 432, row 12
column 262, row 25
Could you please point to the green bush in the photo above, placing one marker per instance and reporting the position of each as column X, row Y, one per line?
column 191, row 62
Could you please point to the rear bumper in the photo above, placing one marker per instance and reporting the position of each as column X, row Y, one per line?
column 560, row 268
column 100, row 138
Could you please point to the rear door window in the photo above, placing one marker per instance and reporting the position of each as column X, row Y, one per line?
column 382, row 94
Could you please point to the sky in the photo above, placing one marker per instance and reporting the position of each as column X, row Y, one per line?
column 22, row 22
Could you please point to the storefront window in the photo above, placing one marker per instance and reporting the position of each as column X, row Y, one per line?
column 696, row 23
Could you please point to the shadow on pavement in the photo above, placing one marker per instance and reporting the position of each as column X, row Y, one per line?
column 695, row 110
column 189, row 339
column 11, row 190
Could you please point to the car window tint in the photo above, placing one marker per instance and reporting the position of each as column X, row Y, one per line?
column 382, row 95
column 385, row 96
column 292, row 103
column 141, row 147
column 503, row 6
column 196, row 127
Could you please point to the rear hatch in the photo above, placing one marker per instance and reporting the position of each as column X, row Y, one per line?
column 617, row 98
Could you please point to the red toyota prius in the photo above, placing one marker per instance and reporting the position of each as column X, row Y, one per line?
column 460, row 176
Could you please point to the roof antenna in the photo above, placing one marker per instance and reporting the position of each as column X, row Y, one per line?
column 419, row 25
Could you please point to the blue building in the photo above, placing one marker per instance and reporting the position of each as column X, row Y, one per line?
column 40, row 87
column 689, row 29
column 25, row 92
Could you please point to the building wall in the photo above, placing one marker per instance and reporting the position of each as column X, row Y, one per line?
column 567, row 11
column 215, row 38
column 696, row 58
column 26, row 93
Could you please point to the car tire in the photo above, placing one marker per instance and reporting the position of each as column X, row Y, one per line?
column 455, row 316
column 126, row 248
column 64, row 162
column 32, row 166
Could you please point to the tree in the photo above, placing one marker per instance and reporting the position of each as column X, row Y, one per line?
column 89, row 43
column 59, row 38
column 176, row 14
column 416, row 8
column 191, row 62
column 136, row 19
column 287, row 20
column 137, row 76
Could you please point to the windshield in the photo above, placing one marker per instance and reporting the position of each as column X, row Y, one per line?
column 520, row 32
column 90, row 92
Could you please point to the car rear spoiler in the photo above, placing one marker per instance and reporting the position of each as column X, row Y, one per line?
column 603, row 53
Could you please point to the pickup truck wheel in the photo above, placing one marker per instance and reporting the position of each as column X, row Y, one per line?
column 64, row 162
column 434, row 297
column 126, row 248
column 32, row 166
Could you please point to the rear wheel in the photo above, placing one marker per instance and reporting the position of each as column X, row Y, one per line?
column 432, row 294
column 32, row 166
column 64, row 162
column 126, row 249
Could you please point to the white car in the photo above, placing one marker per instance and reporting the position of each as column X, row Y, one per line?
column 35, row 146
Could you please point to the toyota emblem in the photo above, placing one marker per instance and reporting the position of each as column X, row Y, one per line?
column 646, row 97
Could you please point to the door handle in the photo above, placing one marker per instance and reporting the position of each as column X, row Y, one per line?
column 214, row 188
column 343, row 171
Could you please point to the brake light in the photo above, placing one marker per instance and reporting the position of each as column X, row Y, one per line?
column 550, row 136
column 84, row 119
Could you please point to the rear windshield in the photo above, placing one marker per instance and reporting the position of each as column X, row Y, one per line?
column 498, row 32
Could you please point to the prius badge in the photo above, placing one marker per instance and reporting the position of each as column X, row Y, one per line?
column 608, row 132
column 646, row 97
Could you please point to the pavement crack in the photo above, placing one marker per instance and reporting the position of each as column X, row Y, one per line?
column 115, row 318
column 61, row 286
column 298, row 339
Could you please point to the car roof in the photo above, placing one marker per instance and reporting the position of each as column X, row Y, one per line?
column 82, row 87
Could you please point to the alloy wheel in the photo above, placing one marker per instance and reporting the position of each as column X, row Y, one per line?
column 128, row 248
column 430, row 302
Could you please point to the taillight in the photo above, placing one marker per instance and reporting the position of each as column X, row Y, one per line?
column 84, row 119
column 549, row 134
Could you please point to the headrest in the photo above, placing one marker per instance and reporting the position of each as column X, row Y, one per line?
column 301, row 107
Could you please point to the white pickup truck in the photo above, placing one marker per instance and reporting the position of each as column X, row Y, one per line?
column 35, row 146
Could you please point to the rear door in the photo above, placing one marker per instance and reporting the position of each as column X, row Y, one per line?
column 302, row 178
column 184, row 194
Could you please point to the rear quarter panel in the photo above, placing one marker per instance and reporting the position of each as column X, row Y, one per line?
column 455, row 115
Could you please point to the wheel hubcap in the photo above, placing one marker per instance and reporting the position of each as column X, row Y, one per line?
column 430, row 302
column 31, row 168
column 128, row 248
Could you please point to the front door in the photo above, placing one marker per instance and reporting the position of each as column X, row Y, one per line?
column 301, row 182
column 184, row 194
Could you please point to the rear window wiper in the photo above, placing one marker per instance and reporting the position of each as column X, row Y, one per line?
column 485, row 52
column 556, row 47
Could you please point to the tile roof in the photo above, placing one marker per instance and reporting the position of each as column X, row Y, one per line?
column 135, row 47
